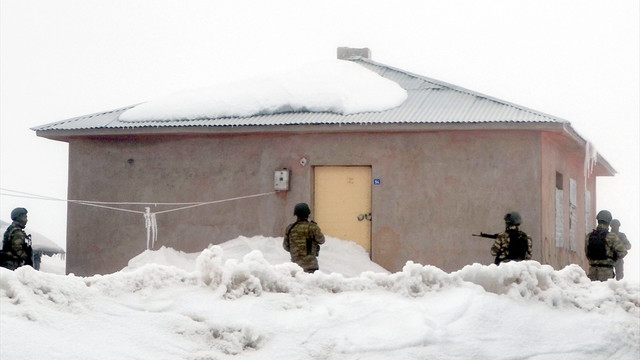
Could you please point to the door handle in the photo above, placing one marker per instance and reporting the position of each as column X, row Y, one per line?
column 364, row 216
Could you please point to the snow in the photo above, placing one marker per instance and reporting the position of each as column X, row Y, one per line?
column 244, row 299
column 327, row 86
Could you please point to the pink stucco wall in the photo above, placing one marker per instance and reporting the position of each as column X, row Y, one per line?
column 568, row 160
column 437, row 188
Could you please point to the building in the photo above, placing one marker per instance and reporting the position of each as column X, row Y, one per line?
column 410, row 183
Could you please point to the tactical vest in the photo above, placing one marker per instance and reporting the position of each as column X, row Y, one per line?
column 597, row 244
column 518, row 245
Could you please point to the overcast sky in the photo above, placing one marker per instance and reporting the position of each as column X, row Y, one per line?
column 577, row 60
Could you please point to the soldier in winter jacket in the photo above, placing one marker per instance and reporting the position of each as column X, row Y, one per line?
column 16, row 244
column 619, row 266
column 513, row 244
column 303, row 238
column 601, row 262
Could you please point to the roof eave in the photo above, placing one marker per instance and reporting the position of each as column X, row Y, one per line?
column 66, row 135
column 602, row 166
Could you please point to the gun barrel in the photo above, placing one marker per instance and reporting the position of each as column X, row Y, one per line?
column 488, row 236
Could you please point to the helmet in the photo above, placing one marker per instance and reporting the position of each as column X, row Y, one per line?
column 604, row 216
column 302, row 210
column 17, row 212
column 512, row 219
column 615, row 222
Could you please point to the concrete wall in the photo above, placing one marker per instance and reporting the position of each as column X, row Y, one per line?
column 437, row 188
column 561, row 158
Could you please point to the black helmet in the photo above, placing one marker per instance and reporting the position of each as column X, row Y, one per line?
column 17, row 212
column 615, row 222
column 302, row 211
column 604, row 216
column 512, row 219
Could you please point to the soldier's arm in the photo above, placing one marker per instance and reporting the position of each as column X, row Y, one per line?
column 527, row 256
column 318, row 235
column 617, row 245
column 625, row 241
column 285, row 242
column 18, row 246
column 496, row 248
column 586, row 244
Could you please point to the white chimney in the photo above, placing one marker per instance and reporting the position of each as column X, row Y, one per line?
column 345, row 53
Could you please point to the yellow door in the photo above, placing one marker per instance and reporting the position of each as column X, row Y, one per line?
column 342, row 202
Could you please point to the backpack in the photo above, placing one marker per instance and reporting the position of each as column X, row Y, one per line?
column 518, row 245
column 597, row 245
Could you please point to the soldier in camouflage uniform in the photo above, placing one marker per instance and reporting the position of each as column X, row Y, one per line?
column 503, row 249
column 16, row 244
column 303, row 239
column 601, row 269
column 615, row 228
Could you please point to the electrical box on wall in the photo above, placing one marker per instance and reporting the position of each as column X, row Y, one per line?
column 281, row 180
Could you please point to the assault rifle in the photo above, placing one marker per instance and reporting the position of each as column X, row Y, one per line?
column 490, row 236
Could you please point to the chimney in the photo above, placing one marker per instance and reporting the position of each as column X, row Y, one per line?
column 345, row 53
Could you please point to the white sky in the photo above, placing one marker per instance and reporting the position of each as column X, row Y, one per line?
column 578, row 60
column 245, row 299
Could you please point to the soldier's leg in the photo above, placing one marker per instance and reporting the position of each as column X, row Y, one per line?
column 619, row 269
column 604, row 273
column 11, row 265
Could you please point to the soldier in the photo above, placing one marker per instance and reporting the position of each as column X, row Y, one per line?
column 513, row 244
column 619, row 266
column 603, row 248
column 303, row 238
column 16, row 244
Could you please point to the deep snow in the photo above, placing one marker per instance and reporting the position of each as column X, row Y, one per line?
column 243, row 299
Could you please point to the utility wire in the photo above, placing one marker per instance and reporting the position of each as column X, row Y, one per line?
column 150, row 217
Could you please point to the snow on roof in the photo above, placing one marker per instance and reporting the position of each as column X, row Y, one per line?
column 354, row 91
column 335, row 86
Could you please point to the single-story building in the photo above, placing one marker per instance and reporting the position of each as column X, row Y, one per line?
column 413, row 182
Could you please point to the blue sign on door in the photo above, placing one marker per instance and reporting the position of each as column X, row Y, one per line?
column 377, row 182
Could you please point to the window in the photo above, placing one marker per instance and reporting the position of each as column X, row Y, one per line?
column 559, row 210
column 587, row 211
column 573, row 213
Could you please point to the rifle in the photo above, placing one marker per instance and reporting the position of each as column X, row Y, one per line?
column 28, row 249
column 489, row 236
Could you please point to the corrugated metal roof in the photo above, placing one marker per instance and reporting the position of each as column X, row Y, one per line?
column 429, row 101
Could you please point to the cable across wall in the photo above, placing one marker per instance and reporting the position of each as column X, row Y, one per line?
column 151, row 223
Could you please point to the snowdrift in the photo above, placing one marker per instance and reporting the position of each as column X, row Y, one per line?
column 244, row 297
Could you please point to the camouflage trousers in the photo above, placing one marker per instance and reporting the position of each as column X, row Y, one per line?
column 10, row 262
column 619, row 269
column 11, row 265
column 308, row 263
column 600, row 273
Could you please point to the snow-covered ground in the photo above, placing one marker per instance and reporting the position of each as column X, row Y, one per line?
column 243, row 299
